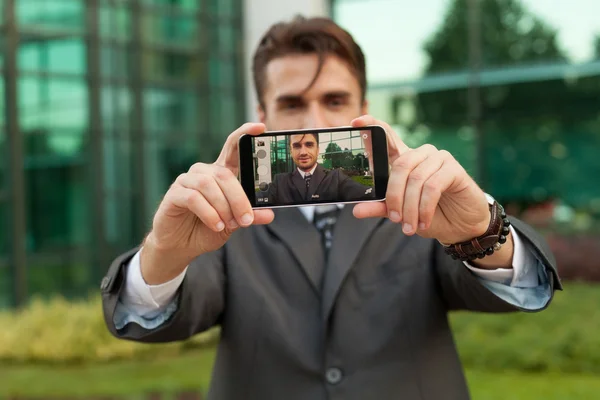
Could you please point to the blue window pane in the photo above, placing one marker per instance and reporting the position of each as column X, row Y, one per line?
column 173, row 30
column 170, row 65
column 229, row 39
column 186, row 5
column 2, row 109
column 51, row 14
column 115, row 61
column 225, row 8
column 171, row 111
column 116, row 108
column 66, row 55
column 115, row 22
column 52, row 103
column 224, row 74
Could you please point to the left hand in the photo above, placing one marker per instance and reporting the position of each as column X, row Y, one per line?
column 429, row 192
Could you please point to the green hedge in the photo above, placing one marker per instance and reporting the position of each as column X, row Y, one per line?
column 565, row 337
column 62, row 331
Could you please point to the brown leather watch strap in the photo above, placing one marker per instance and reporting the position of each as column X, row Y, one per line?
column 484, row 245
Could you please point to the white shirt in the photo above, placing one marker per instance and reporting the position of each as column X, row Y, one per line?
column 148, row 301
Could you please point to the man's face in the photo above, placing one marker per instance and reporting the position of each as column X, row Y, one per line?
column 333, row 100
column 304, row 150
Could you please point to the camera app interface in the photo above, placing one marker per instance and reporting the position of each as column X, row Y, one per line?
column 313, row 168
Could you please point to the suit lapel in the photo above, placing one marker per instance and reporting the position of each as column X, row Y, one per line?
column 316, row 180
column 303, row 240
column 299, row 183
column 349, row 236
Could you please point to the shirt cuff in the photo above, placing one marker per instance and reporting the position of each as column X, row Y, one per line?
column 524, row 273
column 145, row 300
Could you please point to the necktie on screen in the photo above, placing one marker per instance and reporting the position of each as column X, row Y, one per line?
column 324, row 220
column 307, row 178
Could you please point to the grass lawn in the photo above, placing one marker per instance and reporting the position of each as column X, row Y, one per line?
column 192, row 372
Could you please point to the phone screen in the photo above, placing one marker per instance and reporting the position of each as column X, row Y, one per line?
column 314, row 167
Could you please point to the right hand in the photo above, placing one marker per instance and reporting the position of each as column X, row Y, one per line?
column 205, row 205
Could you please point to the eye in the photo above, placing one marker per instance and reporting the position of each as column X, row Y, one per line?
column 336, row 101
column 291, row 105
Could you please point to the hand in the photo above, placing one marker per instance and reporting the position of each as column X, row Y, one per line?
column 199, row 212
column 429, row 192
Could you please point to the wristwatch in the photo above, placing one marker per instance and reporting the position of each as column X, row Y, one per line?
column 486, row 244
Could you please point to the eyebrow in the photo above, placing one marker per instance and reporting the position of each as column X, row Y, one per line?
column 288, row 98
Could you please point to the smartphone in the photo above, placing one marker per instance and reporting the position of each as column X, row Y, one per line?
column 314, row 166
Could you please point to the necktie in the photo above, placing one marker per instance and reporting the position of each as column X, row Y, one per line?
column 324, row 220
column 307, row 178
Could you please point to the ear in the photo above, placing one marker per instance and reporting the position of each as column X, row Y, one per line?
column 365, row 108
column 262, row 116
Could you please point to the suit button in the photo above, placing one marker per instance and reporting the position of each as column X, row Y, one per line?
column 104, row 284
column 333, row 375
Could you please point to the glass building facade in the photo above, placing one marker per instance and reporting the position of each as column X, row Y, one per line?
column 104, row 103
column 510, row 87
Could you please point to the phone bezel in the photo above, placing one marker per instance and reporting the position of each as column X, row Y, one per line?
column 380, row 163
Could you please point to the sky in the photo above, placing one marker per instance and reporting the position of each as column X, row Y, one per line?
column 381, row 25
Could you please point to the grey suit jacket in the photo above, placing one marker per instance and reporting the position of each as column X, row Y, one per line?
column 378, row 329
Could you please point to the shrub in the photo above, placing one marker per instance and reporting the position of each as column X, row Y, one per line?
column 565, row 337
column 62, row 331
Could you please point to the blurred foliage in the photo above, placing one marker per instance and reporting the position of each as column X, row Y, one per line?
column 562, row 338
column 549, row 355
column 540, row 136
column 59, row 331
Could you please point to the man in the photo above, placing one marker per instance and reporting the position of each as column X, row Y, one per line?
column 310, row 181
column 363, row 318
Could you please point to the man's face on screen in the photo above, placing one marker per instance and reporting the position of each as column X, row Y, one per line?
column 304, row 150
column 291, row 102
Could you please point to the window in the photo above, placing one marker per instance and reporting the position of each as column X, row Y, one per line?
column 53, row 55
column 50, row 14
column 154, row 107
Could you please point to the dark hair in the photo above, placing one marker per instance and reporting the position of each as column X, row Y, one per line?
column 315, row 135
column 303, row 35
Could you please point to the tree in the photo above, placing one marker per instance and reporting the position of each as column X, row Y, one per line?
column 335, row 157
column 525, row 124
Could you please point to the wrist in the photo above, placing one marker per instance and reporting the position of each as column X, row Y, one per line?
column 486, row 244
column 159, row 265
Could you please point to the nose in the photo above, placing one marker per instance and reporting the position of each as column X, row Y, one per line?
column 315, row 117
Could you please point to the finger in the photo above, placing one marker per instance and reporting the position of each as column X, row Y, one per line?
column 401, row 169
column 396, row 146
column 190, row 199
column 263, row 217
column 207, row 186
column 229, row 154
column 260, row 217
column 239, row 204
column 370, row 210
column 433, row 188
column 412, row 218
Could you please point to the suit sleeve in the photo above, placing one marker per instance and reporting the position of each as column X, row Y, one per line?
column 272, row 191
column 352, row 190
column 461, row 289
column 199, row 304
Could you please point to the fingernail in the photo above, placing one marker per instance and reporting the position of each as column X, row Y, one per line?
column 233, row 224
column 247, row 219
column 395, row 216
column 407, row 228
column 422, row 225
column 220, row 226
